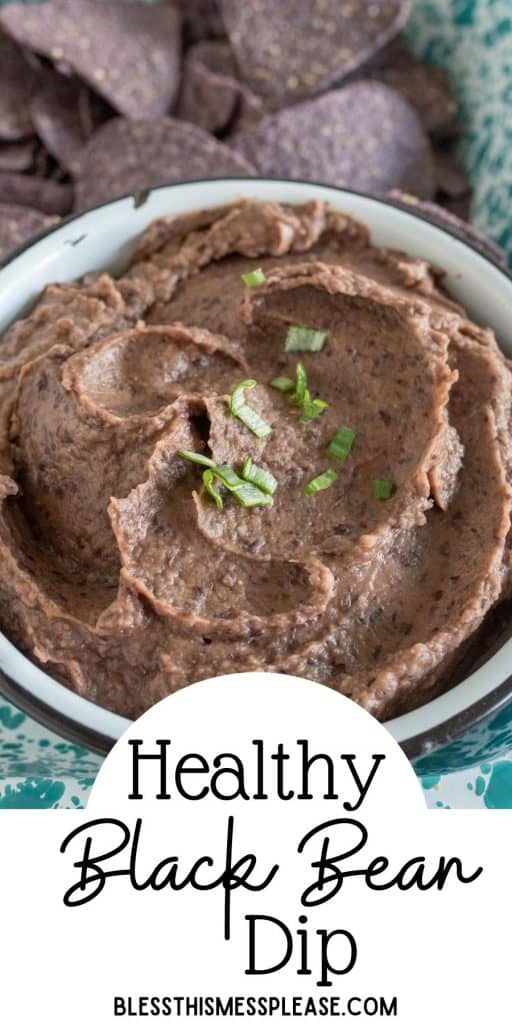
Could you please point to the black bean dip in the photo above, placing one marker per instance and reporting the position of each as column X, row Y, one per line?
column 124, row 578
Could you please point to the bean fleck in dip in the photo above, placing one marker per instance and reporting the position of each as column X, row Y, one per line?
column 342, row 516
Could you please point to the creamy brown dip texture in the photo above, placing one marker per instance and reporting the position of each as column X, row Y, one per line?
column 118, row 572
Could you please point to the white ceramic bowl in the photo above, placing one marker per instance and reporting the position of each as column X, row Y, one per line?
column 103, row 239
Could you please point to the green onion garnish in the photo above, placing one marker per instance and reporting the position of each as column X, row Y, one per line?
column 321, row 483
column 341, row 444
column 212, row 491
column 201, row 460
column 228, row 477
column 283, row 384
column 254, row 487
column 301, row 393
column 253, row 421
column 254, row 278
column 237, row 399
column 250, row 496
column 383, row 489
column 312, row 410
column 248, row 416
column 244, row 492
column 258, row 476
column 304, row 339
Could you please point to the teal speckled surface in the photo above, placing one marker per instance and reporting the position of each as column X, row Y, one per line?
column 487, row 785
column 473, row 40
column 37, row 769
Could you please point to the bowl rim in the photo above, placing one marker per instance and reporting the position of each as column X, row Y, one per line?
column 420, row 742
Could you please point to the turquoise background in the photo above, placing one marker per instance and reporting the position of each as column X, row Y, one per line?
column 472, row 39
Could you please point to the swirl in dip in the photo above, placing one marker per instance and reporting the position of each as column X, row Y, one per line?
column 120, row 573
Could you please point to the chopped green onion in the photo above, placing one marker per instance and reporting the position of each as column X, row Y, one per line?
column 254, row 278
column 228, row 477
column 250, row 496
column 312, row 410
column 341, row 444
column 301, row 393
column 262, row 478
column 321, row 483
column 212, row 491
column 301, row 397
column 253, row 421
column 383, row 489
column 254, row 489
column 201, row 460
column 283, row 384
column 249, row 417
column 245, row 492
column 237, row 399
column 304, row 339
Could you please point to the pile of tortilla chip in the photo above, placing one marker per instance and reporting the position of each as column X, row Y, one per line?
column 100, row 98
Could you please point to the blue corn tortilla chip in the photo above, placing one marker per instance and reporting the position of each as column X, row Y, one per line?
column 215, row 102
column 444, row 218
column 18, row 82
column 451, row 178
column 293, row 49
column 460, row 208
column 426, row 88
column 64, row 114
column 43, row 163
column 216, row 55
column 202, row 19
column 363, row 136
column 127, row 52
column 130, row 156
column 17, row 156
column 42, row 194
column 18, row 224
column 206, row 98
